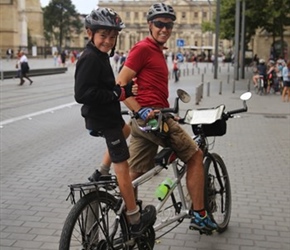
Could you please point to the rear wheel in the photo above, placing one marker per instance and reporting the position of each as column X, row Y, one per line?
column 217, row 191
column 92, row 225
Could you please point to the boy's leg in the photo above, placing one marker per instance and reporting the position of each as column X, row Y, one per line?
column 105, row 166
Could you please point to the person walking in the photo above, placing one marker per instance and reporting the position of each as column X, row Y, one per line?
column 176, row 69
column 286, row 82
column 24, row 68
column 146, row 62
column 96, row 88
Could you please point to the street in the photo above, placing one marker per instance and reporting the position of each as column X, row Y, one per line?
column 45, row 147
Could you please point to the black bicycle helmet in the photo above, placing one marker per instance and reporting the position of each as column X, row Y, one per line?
column 104, row 18
column 160, row 10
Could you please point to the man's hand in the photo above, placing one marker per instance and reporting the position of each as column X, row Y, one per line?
column 146, row 113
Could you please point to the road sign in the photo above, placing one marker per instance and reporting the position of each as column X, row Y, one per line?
column 180, row 42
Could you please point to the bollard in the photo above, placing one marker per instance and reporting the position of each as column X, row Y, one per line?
column 249, row 85
column 220, row 92
column 192, row 71
column 234, row 86
column 201, row 96
column 202, row 78
column 228, row 79
column 198, row 70
column 204, row 70
column 208, row 87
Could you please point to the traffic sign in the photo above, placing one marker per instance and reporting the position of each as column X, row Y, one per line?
column 180, row 42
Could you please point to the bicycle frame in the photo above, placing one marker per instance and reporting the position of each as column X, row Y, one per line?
column 178, row 175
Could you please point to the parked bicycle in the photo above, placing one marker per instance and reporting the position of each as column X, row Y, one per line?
column 97, row 219
column 261, row 87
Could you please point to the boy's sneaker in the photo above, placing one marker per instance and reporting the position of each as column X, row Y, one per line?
column 95, row 176
column 202, row 223
column 147, row 219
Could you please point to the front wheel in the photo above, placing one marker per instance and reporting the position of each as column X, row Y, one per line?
column 92, row 224
column 217, row 191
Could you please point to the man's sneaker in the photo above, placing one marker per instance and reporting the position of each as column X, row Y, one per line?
column 202, row 223
column 147, row 219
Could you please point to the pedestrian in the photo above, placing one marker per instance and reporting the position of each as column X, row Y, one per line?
column 152, row 80
column 286, row 82
column 63, row 58
column 96, row 89
column 24, row 68
column 176, row 69
column 8, row 54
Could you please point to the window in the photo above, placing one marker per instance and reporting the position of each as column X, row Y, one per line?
column 204, row 14
column 183, row 14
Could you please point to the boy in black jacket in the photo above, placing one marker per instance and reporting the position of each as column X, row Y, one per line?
column 96, row 89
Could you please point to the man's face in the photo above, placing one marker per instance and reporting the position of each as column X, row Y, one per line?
column 161, row 28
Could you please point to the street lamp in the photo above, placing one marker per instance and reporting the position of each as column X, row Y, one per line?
column 217, row 31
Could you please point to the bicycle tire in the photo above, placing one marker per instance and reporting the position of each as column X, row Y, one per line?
column 217, row 191
column 79, row 232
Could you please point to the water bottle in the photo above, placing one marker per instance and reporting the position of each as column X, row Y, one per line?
column 163, row 189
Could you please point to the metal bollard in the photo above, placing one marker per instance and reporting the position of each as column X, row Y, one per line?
column 208, row 87
column 202, row 78
column 228, row 79
column 234, row 86
column 220, row 92
column 249, row 85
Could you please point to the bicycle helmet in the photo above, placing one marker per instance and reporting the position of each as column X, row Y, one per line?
column 160, row 10
column 261, row 61
column 104, row 18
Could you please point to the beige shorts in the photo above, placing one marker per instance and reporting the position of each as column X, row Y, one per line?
column 143, row 146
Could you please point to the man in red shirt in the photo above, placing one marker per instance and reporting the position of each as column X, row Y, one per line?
column 146, row 62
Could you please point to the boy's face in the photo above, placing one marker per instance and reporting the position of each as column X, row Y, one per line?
column 104, row 40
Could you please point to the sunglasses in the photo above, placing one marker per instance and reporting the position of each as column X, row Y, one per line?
column 161, row 25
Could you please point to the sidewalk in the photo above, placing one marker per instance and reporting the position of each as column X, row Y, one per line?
column 41, row 155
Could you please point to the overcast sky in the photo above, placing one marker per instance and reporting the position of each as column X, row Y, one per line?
column 82, row 6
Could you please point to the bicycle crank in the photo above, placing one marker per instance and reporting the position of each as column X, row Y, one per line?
column 147, row 240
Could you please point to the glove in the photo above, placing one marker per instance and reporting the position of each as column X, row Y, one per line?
column 143, row 113
column 128, row 89
column 122, row 93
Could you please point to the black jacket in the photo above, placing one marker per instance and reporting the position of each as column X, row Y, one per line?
column 94, row 83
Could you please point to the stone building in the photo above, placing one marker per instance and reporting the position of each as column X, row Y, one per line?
column 21, row 21
column 21, row 24
column 187, row 28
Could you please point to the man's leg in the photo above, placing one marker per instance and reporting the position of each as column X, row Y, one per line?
column 195, row 180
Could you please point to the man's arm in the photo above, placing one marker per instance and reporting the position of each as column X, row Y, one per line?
column 126, row 75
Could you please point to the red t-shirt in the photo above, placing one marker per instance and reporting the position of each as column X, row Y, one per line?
column 148, row 61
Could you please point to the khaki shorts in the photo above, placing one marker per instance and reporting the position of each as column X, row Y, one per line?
column 143, row 146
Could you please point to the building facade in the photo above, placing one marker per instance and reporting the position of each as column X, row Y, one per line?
column 21, row 25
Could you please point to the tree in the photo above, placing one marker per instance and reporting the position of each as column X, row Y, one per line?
column 61, row 20
column 268, row 15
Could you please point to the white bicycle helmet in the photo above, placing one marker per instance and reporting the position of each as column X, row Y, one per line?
column 261, row 61
column 160, row 10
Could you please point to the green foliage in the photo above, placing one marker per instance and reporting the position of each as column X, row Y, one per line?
column 60, row 21
column 207, row 26
column 268, row 15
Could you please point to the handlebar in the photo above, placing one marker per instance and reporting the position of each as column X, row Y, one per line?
column 155, row 124
column 229, row 114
